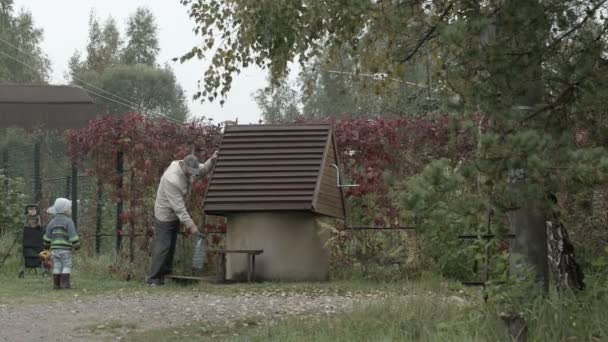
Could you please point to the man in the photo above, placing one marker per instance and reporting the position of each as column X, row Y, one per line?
column 170, row 209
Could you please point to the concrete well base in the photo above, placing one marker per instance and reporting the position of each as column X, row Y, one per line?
column 293, row 244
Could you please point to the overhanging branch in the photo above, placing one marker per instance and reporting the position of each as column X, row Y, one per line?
column 430, row 34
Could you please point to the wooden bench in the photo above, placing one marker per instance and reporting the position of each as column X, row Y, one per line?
column 221, row 261
column 185, row 279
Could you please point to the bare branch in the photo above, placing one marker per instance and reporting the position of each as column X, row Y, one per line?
column 430, row 34
column 576, row 27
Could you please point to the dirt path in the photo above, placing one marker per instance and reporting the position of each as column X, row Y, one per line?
column 85, row 319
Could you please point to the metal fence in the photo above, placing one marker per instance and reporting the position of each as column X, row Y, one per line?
column 47, row 174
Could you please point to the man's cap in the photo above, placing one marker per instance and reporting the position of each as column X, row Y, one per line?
column 61, row 206
column 191, row 165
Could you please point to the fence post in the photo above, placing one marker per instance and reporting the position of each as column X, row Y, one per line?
column 75, row 195
column 119, row 205
column 5, row 183
column 5, row 168
column 68, row 187
column 98, row 213
column 37, row 176
column 131, row 224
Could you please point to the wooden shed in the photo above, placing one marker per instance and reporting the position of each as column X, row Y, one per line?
column 276, row 184
column 47, row 107
column 55, row 107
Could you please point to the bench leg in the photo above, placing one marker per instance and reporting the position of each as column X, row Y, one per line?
column 249, row 268
column 221, row 267
column 252, row 265
column 224, row 267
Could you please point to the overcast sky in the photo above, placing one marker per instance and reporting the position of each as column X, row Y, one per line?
column 65, row 25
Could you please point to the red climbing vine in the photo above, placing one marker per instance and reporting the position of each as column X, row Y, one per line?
column 147, row 147
column 371, row 152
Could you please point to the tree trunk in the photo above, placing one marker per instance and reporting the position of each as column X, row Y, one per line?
column 564, row 268
column 529, row 247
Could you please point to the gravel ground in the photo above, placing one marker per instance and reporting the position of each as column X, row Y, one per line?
column 103, row 317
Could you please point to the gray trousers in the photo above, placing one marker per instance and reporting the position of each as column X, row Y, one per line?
column 62, row 261
column 163, row 249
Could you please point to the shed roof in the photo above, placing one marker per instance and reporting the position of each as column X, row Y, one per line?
column 275, row 168
column 30, row 106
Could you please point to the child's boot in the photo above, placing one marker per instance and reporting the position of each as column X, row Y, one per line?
column 65, row 281
column 56, row 281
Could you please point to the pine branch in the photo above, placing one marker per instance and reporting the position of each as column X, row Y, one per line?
column 564, row 94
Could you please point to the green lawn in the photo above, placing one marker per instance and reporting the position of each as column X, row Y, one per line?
column 425, row 309
column 31, row 289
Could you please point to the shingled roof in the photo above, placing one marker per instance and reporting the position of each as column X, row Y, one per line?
column 31, row 106
column 275, row 168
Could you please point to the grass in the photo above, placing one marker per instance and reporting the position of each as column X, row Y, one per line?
column 19, row 291
column 391, row 319
column 424, row 309
column 410, row 319
column 416, row 312
column 198, row 332
column 394, row 319
column 35, row 289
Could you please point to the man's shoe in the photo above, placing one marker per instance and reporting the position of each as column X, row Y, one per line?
column 153, row 282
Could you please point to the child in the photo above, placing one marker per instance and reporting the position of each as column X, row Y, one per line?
column 61, row 238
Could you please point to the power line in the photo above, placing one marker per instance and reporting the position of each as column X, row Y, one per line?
column 18, row 60
column 138, row 108
column 72, row 74
column 105, row 91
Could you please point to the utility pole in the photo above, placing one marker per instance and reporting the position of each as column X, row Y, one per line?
column 519, row 79
column 528, row 222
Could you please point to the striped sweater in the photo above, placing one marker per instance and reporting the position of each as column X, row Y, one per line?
column 61, row 234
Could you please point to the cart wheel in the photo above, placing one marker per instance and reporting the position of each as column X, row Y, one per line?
column 22, row 274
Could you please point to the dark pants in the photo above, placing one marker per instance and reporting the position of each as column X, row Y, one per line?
column 163, row 249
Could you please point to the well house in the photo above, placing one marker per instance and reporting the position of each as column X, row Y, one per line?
column 278, row 187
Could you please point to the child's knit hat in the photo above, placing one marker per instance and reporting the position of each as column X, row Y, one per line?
column 61, row 206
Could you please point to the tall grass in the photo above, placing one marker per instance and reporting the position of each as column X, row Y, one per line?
column 407, row 319
column 431, row 318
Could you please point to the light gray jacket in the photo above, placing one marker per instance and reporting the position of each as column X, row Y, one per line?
column 173, row 190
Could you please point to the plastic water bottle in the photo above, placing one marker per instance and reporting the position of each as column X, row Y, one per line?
column 199, row 256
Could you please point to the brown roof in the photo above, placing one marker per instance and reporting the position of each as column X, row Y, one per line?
column 47, row 106
column 275, row 168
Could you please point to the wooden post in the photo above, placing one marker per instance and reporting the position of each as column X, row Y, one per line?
column 119, row 205
column 98, row 213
